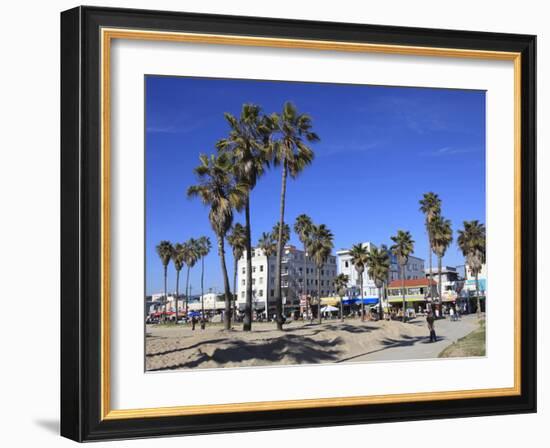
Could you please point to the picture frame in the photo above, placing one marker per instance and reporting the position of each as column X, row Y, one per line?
column 86, row 36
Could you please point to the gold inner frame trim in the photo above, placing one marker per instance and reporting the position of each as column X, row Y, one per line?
column 107, row 35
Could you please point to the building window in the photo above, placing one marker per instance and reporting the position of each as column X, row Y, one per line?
column 272, row 293
column 243, row 282
column 346, row 264
column 261, row 293
column 253, row 281
column 253, row 268
column 242, row 294
column 262, row 268
column 261, row 280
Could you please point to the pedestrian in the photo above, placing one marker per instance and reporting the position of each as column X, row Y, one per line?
column 193, row 323
column 452, row 314
column 430, row 321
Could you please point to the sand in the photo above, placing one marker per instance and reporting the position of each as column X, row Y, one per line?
column 169, row 348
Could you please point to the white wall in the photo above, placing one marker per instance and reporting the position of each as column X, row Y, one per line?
column 29, row 173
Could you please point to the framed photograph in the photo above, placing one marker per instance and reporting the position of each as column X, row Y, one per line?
column 278, row 224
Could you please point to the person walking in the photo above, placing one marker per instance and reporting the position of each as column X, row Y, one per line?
column 452, row 314
column 431, row 321
column 193, row 323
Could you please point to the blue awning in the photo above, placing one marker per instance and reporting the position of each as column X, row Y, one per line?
column 365, row 300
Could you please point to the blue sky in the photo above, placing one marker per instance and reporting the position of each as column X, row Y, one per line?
column 381, row 148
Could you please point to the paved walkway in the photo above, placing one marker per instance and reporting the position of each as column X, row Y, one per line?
column 421, row 347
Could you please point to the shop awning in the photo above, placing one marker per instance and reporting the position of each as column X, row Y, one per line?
column 332, row 301
column 365, row 300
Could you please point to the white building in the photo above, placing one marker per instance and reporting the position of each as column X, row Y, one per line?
column 292, row 279
column 470, row 281
column 413, row 269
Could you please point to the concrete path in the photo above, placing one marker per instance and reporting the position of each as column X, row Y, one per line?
column 421, row 348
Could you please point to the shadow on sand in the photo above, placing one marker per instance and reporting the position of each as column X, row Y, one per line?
column 300, row 349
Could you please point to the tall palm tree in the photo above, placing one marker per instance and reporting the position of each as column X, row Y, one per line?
column 359, row 254
column 442, row 237
column 178, row 259
column 204, row 246
column 237, row 239
column 340, row 285
column 378, row 267
column 430, row 205
column 247, row 145
column 302, row 227
column 320, row 246
column 164, row 251
column 217, row 189
column 268, row 245
column 471, row 241
column 402, row 248
column 292, row 152
column 190, row 257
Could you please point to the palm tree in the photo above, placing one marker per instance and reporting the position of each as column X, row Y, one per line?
column 340, row 285
column 217, row 189
column 442, row 237
column 302, row 227
column 237, row 240
column 267, row 244
column 320, row 246
column 430, row 205
column 293, row 154
column 178, row 259
column 247, row 145
column 403, row 247
column 164, row 251
column 471, row 241
column 285, row 234
column 204, row 246
column 378, row 267
column 358, row 254
column 190, row 257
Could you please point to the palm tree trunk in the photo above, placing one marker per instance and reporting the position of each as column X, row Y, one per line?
column 247, row 323
column 278, row 295
column 202, row 290
column 440, row 285
column 430, row 266
column 177, row 293
column 165, row 294
column 362, row 298
column 319, row 317
column 227, row 291
column 235, row 268
column 380, row 308
column 341, row 308
column 304, row 286
column 403, row 290
column 477, row 296
column 187, row 291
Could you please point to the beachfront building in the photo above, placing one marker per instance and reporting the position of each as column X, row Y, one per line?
column 450, row 276
column 293, row 273
column 414, row 269
column 416, row 293
column 214, row 303
column 470, row 288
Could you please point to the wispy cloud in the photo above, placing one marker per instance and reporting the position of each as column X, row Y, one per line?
column 331, row 149
column 449, row 151
column 175, row 128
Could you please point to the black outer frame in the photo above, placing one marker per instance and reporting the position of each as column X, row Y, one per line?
column 80, row 223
